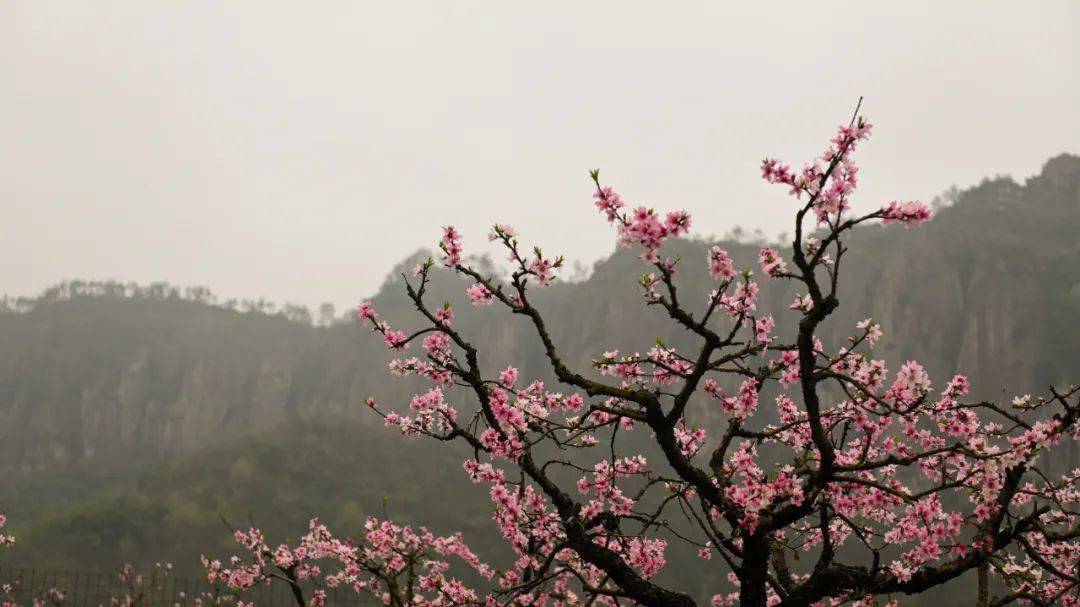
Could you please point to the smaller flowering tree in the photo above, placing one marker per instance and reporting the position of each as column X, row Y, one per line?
column 52, row 597
column 397, row 565
column 137, row 589
column 6, row 589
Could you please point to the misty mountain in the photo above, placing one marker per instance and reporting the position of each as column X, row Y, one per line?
column 132, row 418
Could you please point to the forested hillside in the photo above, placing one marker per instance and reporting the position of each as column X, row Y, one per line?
column 131, row 419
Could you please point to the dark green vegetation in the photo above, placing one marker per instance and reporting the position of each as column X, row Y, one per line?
column 130, row 422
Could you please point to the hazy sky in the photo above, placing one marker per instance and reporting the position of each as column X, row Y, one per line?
column 298, row 150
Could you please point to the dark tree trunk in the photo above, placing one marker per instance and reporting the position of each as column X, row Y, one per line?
column 984, row 587
column 753, row 574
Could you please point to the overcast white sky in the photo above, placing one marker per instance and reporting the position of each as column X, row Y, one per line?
column 298, row 150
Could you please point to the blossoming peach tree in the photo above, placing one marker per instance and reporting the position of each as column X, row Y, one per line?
column 890, row 486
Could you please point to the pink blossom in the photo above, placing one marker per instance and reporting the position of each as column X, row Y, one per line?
column 762, row 327
column 451, row 246
column 508, row 377
column 873, row 330
column 907, row 213
column 366, row 311
column 480, row 295
column 772, row 265
column 608, row 202
column 720, row 265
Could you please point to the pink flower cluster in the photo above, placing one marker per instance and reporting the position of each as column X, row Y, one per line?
column 480, row 295
column 830, row 180
column 720, row 265
column 907, row 213
column 643, row 226
column 451, row 246
column 740, row 406
column 772, row 265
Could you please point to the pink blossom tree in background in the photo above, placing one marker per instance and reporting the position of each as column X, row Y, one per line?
column 136, row 589
column 393, row 563
column 50, row 598
column 883, row 483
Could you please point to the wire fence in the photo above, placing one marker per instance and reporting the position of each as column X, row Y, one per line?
column 94, row 589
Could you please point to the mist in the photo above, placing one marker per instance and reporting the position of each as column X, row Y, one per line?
column 296, row 153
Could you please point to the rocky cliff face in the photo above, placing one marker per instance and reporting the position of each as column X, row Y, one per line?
column 991, row 286
column 117, row 380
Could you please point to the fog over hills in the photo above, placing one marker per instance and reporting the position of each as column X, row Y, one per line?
column 132, row 418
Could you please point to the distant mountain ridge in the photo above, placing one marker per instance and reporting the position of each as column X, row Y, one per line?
column 144, row 403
